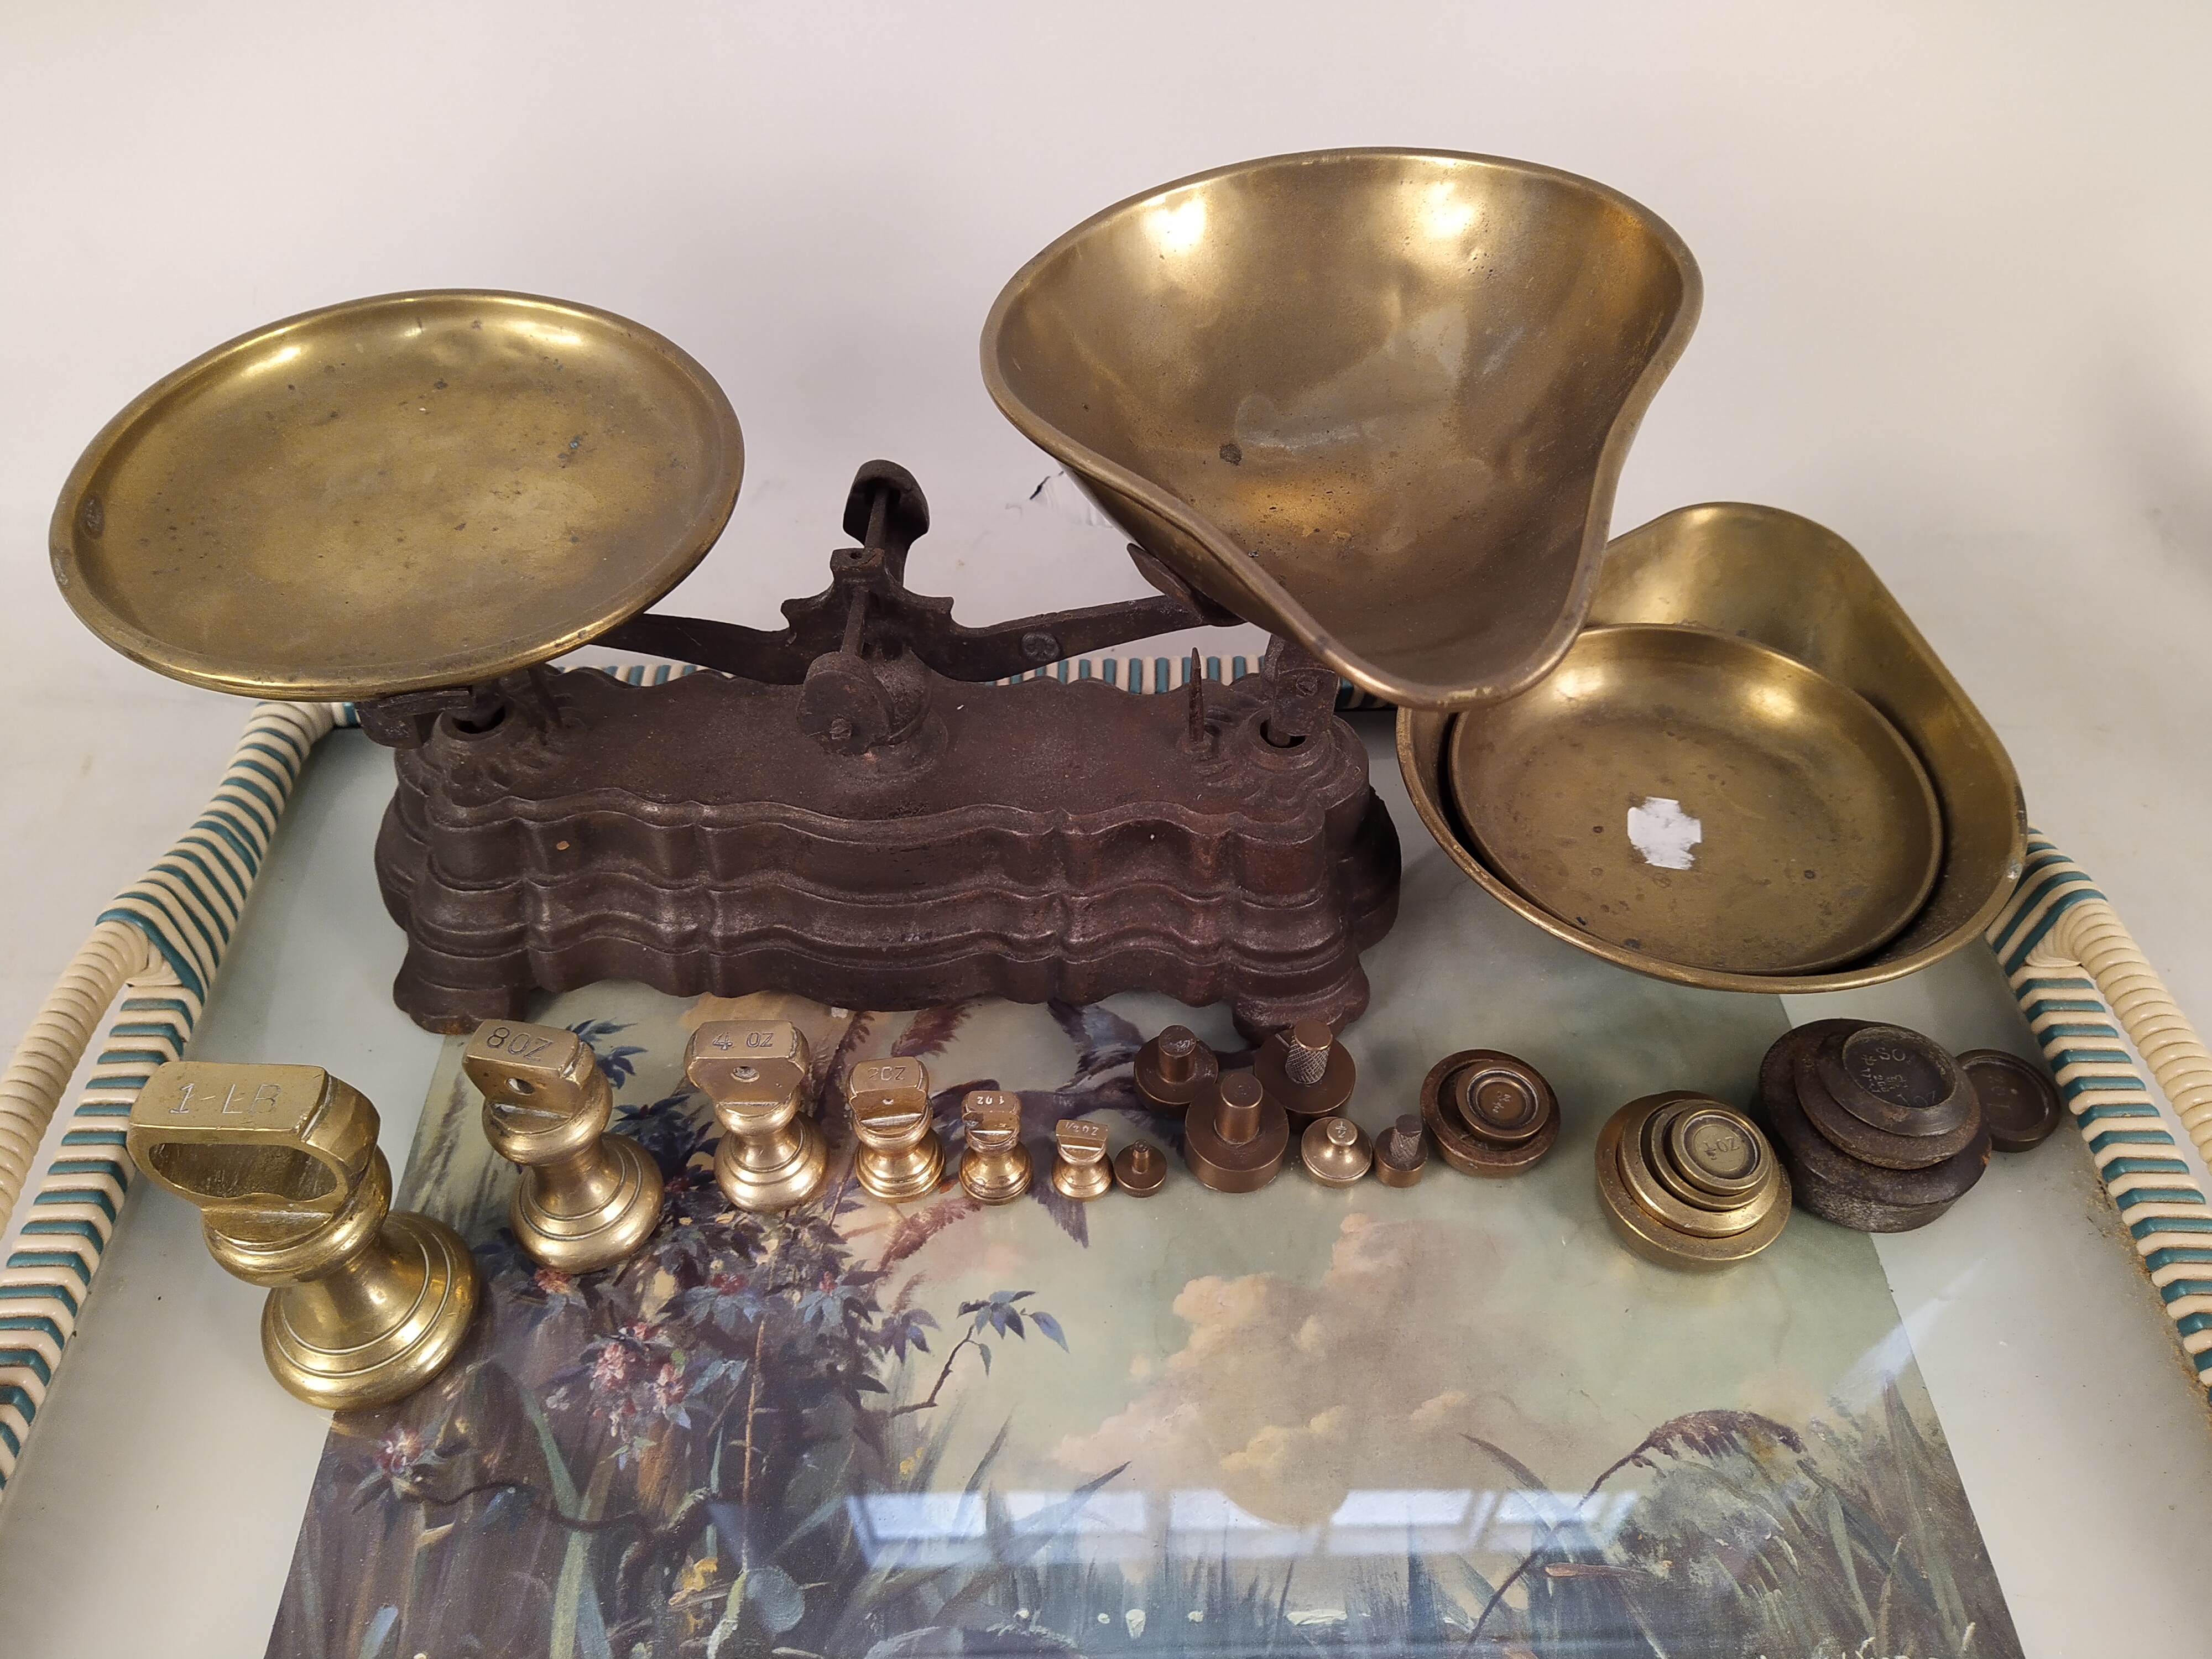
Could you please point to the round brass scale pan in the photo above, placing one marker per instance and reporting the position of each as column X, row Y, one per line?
column 396, row 494
column 1702, row 799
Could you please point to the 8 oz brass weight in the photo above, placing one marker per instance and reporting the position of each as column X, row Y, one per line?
column 1688, row 1182
column 586, row 1199
column 365, row 1303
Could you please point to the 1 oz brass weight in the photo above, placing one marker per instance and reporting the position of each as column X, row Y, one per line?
column 366, row 1304
column 771, row 1156
column 996, row 1168
column 901, row 1157
column 586, row 1199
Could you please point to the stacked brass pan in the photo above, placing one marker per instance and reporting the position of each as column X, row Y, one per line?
column 1377, row 401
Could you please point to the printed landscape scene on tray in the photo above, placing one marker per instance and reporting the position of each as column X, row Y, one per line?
column 1453, row 1419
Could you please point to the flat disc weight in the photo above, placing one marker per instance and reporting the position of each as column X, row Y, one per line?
column 396, row 494
column 1701, row 800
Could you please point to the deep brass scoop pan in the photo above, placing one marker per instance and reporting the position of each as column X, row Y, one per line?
column 396, row 494
column 1374, row 400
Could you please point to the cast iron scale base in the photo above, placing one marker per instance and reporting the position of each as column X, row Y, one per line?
column 849, row 810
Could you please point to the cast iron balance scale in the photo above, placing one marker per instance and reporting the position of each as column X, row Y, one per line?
column 1375, row 402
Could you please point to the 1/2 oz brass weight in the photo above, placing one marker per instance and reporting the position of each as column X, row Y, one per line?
column 585, row 1200
column 1489, row 1112
column 365, row 1303
column 1688, row 1182
column 1079, row 1168
column 772, row 1156
column 900, row 1158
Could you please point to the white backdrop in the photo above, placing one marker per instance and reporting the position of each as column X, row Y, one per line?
column 1955, row 258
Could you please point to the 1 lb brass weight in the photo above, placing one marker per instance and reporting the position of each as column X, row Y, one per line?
column 586, row 1198
column 1880, row 1127
column 996, row 1167
column 771, row 1156
column 365, row 1305
column 900, row 1158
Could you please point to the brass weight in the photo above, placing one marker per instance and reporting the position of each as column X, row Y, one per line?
column 366, row 1304
column 1234, row 1142
column 1401, row 1156
column 996, row 1167
column 1490, row 1113
column 586, row 1199
column 1080, row 1169
column 1307, row 1071
column 1335, row 1151
column 1140, row 1168
column 1688, row 1182
column 771, row 1156
column 900, row 1158
column 1174, row 1069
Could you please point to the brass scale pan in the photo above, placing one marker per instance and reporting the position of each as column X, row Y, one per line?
column 1375, row 400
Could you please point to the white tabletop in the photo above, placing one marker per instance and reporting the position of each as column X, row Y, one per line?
column 1954, row 310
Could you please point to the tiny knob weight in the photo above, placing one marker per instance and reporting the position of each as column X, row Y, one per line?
column 1174, row 1069
column 1335, row 1151
column 996, row 1167
column 771, row 1156
column 1140, row 1168
column 1080, row 1171
column 1307, row 1072
column 586, row 1198
column 1402, row 1157
column 900, row 1158
column 365, row 1305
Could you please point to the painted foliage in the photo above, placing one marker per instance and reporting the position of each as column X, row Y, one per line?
column 1379, row 1421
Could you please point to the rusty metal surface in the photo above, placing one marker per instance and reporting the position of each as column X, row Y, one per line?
column 879, row 835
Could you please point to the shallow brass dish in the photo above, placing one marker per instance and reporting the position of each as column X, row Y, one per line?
column 1374, row 400
column 1784, row 581
column 1817, row 835
column 396, row 494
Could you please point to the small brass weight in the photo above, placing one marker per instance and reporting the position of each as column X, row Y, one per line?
column 1080, row 1169
column 586, row 1198
column 996, row 1167
column 771, row 1156
column 366, row 1304
column 900, row 1158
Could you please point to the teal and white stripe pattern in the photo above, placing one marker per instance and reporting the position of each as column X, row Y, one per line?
column 188, row 907
column 2136, row 1155
column 1154, row 675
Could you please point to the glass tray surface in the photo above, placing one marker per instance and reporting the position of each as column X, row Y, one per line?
column 1371, row 1421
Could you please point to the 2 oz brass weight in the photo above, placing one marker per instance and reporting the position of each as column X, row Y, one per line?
column 900, row 1158
column 366, row 1304
column 586, row 1199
